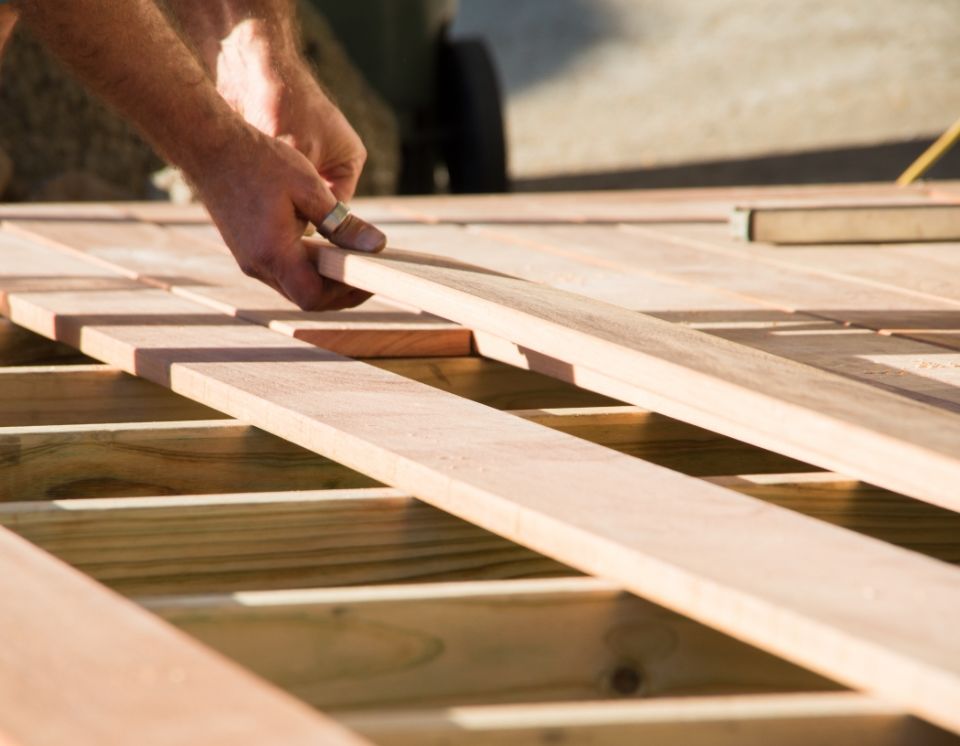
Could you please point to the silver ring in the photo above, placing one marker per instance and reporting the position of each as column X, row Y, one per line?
column 333, row 220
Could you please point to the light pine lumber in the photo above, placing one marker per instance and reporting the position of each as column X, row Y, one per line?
column 492, row 383
column 268, row 541
column 208, row 456
column 847, row 223
column 51, row 462
column 837, row 718
column 663, row 441
column 21, row 347
column 83, row 667
column 91, row 393
column 860, row 507
column 83, row 394
column 634, row 525
column 440, row 644
column 838, row 424
column 158, row 458
column 197, row 270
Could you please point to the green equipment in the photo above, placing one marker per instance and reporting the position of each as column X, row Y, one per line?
column 444, row 91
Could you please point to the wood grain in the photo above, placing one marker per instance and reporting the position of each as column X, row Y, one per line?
column 836, row 423
column 70, row 461
column 794, row 314
column 903, row 290
column 860, row 507
column 868, row 614
column 148, row 252
column 268, row 541
column 88, row 668
column 492, row 383
column 83, row 394
column 663, row 441
column 21, row 347
column 485, row 642
column 841, row 719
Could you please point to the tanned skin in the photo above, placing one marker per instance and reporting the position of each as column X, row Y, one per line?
column 263, row 156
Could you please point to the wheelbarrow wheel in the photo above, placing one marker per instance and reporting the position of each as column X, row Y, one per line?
column 472, row 118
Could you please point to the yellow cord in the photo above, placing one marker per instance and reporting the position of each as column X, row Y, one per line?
column 931, row 155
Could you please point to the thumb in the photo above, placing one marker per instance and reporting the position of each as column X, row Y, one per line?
column 353, row 233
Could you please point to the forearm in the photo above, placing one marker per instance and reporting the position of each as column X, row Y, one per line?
column 234, row 34
column 129, row 55
column 8, row 19
column 251, row 49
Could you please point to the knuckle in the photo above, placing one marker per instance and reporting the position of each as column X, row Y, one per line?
column 250, row 269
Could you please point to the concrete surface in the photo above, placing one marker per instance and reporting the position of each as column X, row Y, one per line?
column 614, row 85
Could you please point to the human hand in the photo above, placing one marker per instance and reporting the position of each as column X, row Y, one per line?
column 260, row 192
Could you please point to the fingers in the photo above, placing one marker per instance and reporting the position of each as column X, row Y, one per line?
column 294, row 275
column 344, row 177
column 357, row 234
column 353, row 233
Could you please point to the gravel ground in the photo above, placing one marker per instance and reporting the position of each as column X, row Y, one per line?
column 596, row 85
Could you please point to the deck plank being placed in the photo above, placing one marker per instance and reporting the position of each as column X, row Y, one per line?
column 856, row 609
column 836, row 423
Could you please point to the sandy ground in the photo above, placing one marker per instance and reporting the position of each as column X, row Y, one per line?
column 595, row 85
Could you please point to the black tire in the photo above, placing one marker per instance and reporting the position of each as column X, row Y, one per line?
column 471, row 115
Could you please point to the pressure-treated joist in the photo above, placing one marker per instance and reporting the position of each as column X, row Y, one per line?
column 841, row 719
column 479, row 642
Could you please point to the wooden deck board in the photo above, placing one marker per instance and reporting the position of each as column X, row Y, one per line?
column 88, row 669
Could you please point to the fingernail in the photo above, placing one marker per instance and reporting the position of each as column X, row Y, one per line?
column 359, row 235
column 371, row 239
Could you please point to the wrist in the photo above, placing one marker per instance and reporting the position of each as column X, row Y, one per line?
column 214, row 150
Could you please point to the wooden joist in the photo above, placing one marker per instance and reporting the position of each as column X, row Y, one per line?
column 635, row 525
column 21, row 347
column 840, row 719
column 86, row 394
column 860, row 507
column 436, row 644
column 263, row 541
column 69, row 461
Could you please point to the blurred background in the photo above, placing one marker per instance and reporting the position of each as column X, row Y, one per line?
column 604, row 93
column 489, row 95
